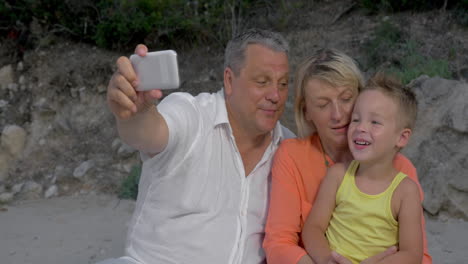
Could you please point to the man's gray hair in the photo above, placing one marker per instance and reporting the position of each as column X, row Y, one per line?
column 234, row 56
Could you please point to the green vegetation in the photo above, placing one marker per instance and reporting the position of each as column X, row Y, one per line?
column 387, row 38
column 390, row 50
column 413, row 5
column 119, row 24
column 129, row 187
column 413, row 65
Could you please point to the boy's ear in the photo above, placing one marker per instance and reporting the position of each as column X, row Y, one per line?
column 403, row 138
column 228, row 78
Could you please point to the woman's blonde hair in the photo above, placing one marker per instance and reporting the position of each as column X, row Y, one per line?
column 328, row 65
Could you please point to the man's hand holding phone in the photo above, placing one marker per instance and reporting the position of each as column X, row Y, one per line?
column 127, row 95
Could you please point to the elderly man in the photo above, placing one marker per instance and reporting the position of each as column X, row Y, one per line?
column 203, row 193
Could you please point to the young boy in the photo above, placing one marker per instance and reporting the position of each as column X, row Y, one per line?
column 366, row 206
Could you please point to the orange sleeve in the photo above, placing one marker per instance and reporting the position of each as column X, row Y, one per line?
column 404, row 165
column 283, row 227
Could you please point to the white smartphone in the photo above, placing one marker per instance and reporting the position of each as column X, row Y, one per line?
column 157, row 70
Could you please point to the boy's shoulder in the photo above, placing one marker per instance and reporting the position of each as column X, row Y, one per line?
column 338, row 170
column 408, row 188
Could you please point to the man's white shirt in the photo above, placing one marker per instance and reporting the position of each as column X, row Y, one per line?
column 195, row 203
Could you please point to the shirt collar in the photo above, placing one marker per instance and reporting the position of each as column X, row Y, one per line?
column 221, row 111
column 222, row 118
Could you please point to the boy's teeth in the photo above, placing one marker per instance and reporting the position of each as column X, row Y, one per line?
column 361, row 142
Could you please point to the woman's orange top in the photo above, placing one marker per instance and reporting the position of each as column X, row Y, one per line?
column 298, row 168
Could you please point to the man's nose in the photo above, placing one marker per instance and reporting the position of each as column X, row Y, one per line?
column 273, row 93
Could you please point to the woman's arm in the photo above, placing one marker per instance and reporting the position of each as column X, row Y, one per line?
column 283, row 225
column 402, row 164
column 410, row 232
column 317, row 222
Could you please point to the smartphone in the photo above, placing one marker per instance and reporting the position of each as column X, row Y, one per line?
column 157, row 70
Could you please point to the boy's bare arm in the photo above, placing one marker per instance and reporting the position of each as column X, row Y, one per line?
column 410, row 231
column 313, row 233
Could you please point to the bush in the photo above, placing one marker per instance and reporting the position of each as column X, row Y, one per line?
column 389, row 50
column 387, row 38
column 401, row 5
column 413, row 65
column 120, row 24
column 129, row 186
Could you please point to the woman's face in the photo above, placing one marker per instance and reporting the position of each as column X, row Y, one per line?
column 329, row 109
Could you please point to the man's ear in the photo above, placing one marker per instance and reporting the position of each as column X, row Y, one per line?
column 228, row 79
column 404, row 137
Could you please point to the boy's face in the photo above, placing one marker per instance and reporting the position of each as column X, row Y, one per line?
column 375, row 131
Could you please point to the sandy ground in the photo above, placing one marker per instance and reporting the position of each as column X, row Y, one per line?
column 86, row 229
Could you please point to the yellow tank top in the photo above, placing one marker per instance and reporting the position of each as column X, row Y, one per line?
column 362, row 225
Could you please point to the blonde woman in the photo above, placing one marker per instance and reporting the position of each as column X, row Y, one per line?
column 326, row 88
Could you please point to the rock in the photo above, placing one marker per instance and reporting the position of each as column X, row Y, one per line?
column 22, row 80
column 51, row 191
column 13, row 140
column 3, row 103
column 439, row 144
column 123, row 150
column 6, row 76
column 6, row 197
column 31, row 190
column 17, row 188
column 5, row 161
column 81, row 170
column 20, row 66
column 101, row 88
column 13, row 87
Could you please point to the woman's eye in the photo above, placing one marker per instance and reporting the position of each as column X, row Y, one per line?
column 322, row 106
column 354, row 120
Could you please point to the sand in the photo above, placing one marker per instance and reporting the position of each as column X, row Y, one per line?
column 90, row 228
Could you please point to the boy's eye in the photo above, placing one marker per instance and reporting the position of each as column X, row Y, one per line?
column 375, row 122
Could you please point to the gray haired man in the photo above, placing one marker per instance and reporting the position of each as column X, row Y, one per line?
column 203, row 192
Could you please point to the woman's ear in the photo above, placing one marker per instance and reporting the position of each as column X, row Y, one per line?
column 228, row 79
column 404, row 137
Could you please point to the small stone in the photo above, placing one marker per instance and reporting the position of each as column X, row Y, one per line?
column 17, row 188
column 32, row 188
column 51, row 191
column 22, row 80
column 12, row 87
column 6, row 197
column 20, row 66
column 81, row 170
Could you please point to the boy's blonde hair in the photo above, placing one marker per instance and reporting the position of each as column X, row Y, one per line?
column 405, row 98
column 328, row 65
